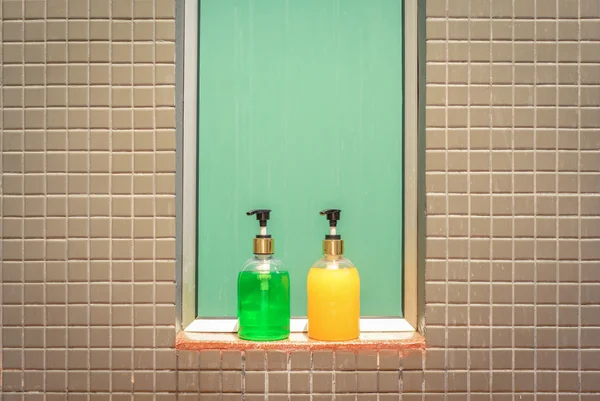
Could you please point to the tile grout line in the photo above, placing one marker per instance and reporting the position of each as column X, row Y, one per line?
column 67, row 214
column 311, row 379
column 400, row 370
column 557, row 227
column 333, row 374
column 45, row 157
column 220, row 372
column 23, row 258
column 491, row 205
column 513, row 203
column 535, row 197
column 288, row 364
column 132, row 215
column 243, row 383
column 89, row 196
column 110, row 190
column 447, row 197
column 579, row 231
column 22, row 188
column 469, row 201
column 266, row 380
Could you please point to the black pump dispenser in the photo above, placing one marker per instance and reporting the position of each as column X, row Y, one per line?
column 263, row 243
column 333, row 245
column 262, row 215
column 333, row 215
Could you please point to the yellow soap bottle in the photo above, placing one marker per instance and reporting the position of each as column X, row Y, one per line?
column 333, row 290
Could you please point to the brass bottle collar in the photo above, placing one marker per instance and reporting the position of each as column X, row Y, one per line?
column 333, row 247
column 263, row 246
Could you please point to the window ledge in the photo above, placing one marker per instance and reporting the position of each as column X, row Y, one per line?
column 398, row 341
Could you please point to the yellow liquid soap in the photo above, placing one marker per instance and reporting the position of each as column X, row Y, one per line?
column 333, row 303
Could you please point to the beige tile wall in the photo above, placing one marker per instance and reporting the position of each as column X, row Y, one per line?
column 87, row 213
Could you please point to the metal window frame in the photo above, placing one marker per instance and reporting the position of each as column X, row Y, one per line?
column 414, row 177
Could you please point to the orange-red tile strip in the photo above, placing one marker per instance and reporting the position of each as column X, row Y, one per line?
column 200, row 342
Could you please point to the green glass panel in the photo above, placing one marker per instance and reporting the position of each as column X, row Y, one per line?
column 300, row 109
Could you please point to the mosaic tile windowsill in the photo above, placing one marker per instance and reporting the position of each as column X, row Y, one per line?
column 402, row 342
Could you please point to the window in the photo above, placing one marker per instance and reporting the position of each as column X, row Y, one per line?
column 299, row 106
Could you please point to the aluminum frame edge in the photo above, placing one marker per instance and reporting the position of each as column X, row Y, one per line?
column 186, row 76
column 186, row 67
column 414, row 167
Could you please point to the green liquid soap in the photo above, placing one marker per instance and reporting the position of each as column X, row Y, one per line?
column 264, row 305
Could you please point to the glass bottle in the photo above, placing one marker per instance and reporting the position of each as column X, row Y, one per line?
column 333, row 290
column 263, row 291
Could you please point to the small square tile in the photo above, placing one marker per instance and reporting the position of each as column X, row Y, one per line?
column 590, row 359
column 480, row 381
column 143, row 359
column 322, row 382
column 231, row 360
column 435, row 359
column 389, row 360
column 457, row 359
column 367, row 360
column 254, row 360
column 434, row 381
column 209, row 382
column 12, row 381
column 546, row 381
column 254, row 382
column 277, row 360
column 300, row 382
column 231, row 382
column 413, row 360
column 367, row 382
column 11, row 359
column 322, row 360
column 501, row 359
column 412, row 381
column 187, row 360
column 569, row 360
column 345, row 382
column 78, row 381
column 480, row 337
column 121, row 359
column 524, row 359
column 457, row 382
column 568, row 382
column 210, row 360
column 121, row 381
column 278, row 382
column 479, row 359
column 590, row 381
column 345, row 360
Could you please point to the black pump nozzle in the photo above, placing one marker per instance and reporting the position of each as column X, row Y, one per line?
column 263, row 243
column 333, row 215
column 262, row 215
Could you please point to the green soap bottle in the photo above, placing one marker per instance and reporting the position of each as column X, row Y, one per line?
column 263, row 290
